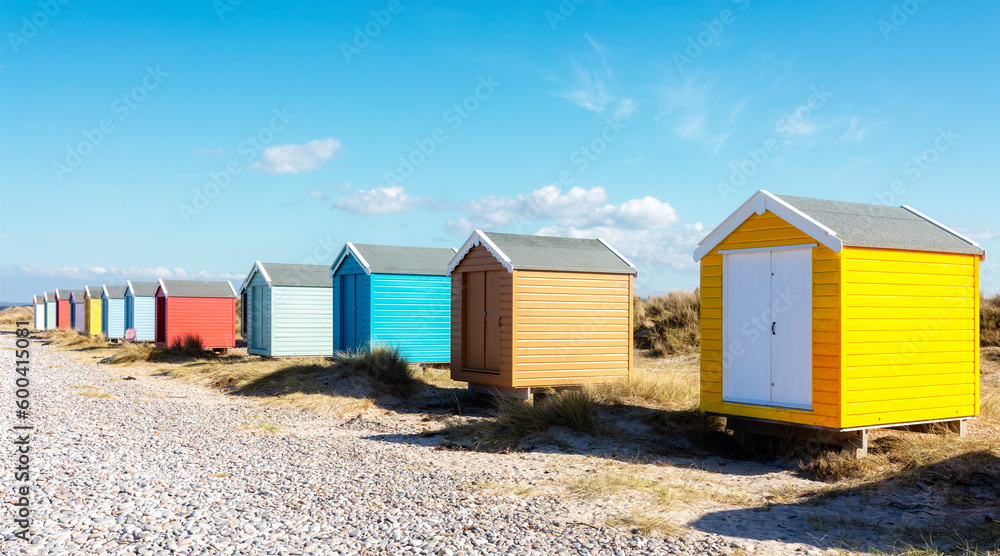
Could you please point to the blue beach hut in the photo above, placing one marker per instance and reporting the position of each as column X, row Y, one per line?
column 288, row 310
column 396, row 296
column 140, row 309
column 113, row 312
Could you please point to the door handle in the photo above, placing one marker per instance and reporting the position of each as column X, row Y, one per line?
column 772, row 328
column 500, row 321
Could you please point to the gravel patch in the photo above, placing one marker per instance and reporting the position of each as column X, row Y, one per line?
column 166, row 467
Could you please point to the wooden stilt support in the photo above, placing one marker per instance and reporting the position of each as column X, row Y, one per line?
column 516, row 393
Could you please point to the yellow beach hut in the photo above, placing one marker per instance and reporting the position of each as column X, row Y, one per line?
column 92, row 310
column 839, row 317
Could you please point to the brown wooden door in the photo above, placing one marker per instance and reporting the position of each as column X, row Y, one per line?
column 473, row 308
column 493, row 321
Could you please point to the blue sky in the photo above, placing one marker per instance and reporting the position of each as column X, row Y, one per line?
column 148, row 140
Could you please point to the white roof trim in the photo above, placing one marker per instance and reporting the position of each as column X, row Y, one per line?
column 480, row 238
column 163, row 286
column 617, row 254
column 760, row 202
column 104, row 292
column 257, row 267
column 232, row 289
column 349, row 248
column 943, row 227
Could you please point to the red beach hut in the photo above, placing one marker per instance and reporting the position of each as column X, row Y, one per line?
column 206, row 310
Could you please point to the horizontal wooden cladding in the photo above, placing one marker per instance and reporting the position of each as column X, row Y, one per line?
column 862, row 326
column 895, row 359
column 528, row 278
column 867, row 278
column 917, row 334
column 882, row 417
column 908, row 381
column 903, row 301
column 854, row 255
column 931, row 313
column 901, row 372
column 822, row 415
column 897, row 393
column 945, row 401
column 905, row 348
column 540, row 373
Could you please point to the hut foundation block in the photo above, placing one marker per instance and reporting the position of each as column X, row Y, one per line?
column 516, row 393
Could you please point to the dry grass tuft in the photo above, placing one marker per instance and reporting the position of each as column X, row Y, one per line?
column 597, row 485
column 664, row 389
column 10, row 316
column 644, row 523
column 669, row 324
column 91, row 391
column 262, row 427
column 384, row 365
column 76, row 340
column 989, row 320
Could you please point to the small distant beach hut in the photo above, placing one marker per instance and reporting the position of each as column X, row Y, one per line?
column 39, row 321
column 50, row 310
column 391, row 295
column 533, row 311
column 92, row 310
column 140, row 309
column 288, row 310
column 64, row 311
column 837, row 318
column 78, row 310
column 189, row 308
column 113, row 312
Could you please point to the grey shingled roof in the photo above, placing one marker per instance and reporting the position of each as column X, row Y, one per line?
column 49, row 296
column 391, row 259
column 864, row 225
column 143, row 289
column 39, row 299
column 78, row 295
column 559, row 253
column 115, row 292
column 309, row 275
column 93, row 291
column 63, row 294
column 195, row 288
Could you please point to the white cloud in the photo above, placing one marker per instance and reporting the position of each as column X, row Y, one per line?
column 317, row 194
column 980, row 234
column 292, row 159
column 649, row 250
column 380, row 200
column 855, row 130
column 576, row 208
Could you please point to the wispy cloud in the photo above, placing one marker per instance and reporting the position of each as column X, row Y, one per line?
column 292, row 159
column 379, row 200
column 685, row 109
column 593, row 84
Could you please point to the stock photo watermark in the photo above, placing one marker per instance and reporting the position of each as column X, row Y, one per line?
column 708, row 37
column 917, row 165
column 454, row 116
column 251, row 148
column 122, row 106
column 364, row 35
column 563, row 11
column 759, row 155
column 31, row 25
column 901, row 14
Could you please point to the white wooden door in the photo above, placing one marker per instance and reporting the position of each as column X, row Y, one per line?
column 767, row 328
column 791, row 340
column 746, row 354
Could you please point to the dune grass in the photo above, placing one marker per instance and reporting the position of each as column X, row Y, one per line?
column 989, row 321
column 76, row 340
column 668, row 324
column 10, row 316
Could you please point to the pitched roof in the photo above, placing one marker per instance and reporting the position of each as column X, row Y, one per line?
column 141, row 289
column 302, row 275
column 49, row 297
column 38, row 299
column 196, row 288
column 63, row 294
column 93, row 292
column 864, row 225
column 113, row 292
column 838, row 223
column 522, row 252
column 76, row 296
column 392, row 259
